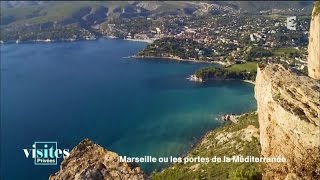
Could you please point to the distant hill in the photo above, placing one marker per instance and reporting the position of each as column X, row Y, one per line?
column 15, row 13
column 254, row 6
column 18, row 4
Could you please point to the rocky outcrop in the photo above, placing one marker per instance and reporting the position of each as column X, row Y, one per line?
column 314, row 44
column 89, row 161
column 195, row 78
column 288, row 112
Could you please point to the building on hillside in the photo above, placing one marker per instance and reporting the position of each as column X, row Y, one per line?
column 292, row 23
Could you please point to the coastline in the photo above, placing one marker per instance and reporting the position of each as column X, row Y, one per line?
column 71, row 40
column 196, row 79
column 48, row 41
column 249, row 81
column 204, row 138
column 178, row 59
column 149, row 41
column 191, row 77
column 224, row 123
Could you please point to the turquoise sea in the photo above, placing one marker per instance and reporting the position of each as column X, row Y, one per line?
column 66, row 92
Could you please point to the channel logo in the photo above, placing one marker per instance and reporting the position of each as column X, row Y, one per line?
column 46, row 153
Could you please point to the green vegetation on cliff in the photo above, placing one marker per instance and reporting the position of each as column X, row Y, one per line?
column 256, row 52
column 245, row 71
column 288, row 52
column 249, row 67
column 230, row 140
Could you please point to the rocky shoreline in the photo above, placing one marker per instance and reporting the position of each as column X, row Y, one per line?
column 242, row 136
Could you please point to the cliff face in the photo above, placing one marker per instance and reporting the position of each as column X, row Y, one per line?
column 91, row 161
column 314, row 44
column 288, row 113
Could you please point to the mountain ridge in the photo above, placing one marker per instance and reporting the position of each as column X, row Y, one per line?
column 14, row 13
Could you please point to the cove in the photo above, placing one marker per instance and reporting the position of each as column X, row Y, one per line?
column 66, row 92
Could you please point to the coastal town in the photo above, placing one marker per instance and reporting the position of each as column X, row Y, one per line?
column 225, row 36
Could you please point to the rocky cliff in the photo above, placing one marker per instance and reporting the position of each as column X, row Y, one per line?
column 314, row 44
column 288, row 113
column 89, row 161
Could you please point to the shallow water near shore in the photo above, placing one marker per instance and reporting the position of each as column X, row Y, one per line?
column 66, row 92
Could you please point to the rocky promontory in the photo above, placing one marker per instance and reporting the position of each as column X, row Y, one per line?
column 89, row 161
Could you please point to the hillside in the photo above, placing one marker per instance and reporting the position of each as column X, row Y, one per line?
column 254, row 6
column 23, row 12
column 24, row 21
